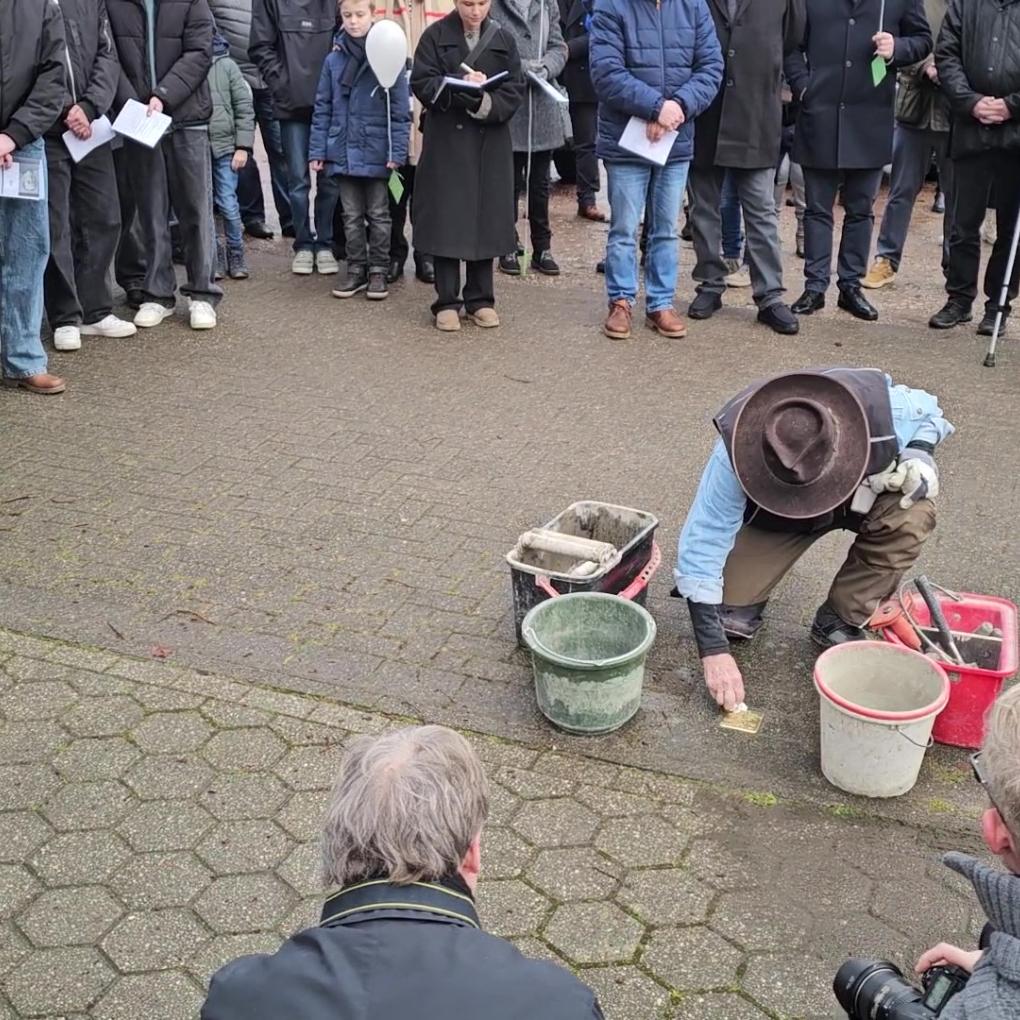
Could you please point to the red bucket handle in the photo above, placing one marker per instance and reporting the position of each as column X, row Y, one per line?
column 632, row 590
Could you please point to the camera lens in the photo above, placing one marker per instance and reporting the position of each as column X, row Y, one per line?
column 876, row 990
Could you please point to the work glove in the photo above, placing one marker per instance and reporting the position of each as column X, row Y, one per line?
column 888, row 480
column 920, row 477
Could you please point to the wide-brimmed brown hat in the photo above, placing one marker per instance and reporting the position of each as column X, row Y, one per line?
column 800, row 445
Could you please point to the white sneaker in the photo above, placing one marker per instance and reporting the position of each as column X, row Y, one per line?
column 152, row 314
column 202, row 315
column 303, row 264
column 111, row 326
column 740, row 278
column 67, row 338
column 325, row 264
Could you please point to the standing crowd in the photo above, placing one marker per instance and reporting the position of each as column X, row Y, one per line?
column 716, row 103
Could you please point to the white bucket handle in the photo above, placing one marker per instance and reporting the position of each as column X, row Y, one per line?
column 931, row 740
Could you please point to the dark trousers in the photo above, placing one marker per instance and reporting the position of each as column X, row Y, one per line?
column 972, row 190
column 538, row 196
column 309, row 236
column 178, row 171
column 478, row 290
column 399, row 213
column 130, row 261
column 84, row 231
column 584, row 120
column 366, row 210
column 821, row 188
column 249, row 182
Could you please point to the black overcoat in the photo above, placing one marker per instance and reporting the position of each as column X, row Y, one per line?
column 743, row 127
column 576, row 76
column 463, row 204
column 845, row 121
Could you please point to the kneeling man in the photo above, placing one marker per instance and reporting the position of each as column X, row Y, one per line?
column 799, row 456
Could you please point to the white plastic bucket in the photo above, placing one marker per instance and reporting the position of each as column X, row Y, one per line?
column 878, row 705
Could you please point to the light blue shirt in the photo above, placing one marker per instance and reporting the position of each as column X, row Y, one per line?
column 718, row 511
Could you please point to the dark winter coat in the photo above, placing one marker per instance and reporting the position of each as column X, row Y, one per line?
column 743, row 127
column 978, row 54
column 845, row 122
column 644, row 52
column 920, row 102
column 31, row 68
column 233, row 120
column 349, row 124
column 290, row 40
column 576, row 77
column 464, row 184
column 384, row 952
column 535, row 26
column 181, row 39
column 233, row 19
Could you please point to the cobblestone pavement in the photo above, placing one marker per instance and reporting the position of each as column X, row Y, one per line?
column 157, row 822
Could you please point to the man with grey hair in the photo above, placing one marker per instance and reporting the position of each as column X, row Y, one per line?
column 400, row 936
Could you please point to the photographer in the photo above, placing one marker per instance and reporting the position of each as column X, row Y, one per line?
column 993, row 991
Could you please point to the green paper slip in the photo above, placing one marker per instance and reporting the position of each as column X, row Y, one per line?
column 878, row 71
column 525, row 261
column 396, row 186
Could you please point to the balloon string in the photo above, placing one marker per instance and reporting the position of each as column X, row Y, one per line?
column 389, row 126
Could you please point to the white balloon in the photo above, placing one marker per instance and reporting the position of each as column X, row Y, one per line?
column 386, row 49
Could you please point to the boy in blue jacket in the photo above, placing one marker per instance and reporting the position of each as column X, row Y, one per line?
column 357, row 137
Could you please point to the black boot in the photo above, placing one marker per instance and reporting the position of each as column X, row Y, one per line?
column 829, row 628
column 257, row 228
column 395, row 271
column 951, row 314
column 704, row 305
column 354, row 281
column 987, row 325
column 425, row 269
column 237, row 268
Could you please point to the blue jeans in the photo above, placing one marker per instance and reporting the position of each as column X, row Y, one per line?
column 729, row 208
column 295, row 137
column 24, row 252
column 224, row 179
column 628, row 188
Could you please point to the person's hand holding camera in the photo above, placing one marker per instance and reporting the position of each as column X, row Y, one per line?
column 946, row 954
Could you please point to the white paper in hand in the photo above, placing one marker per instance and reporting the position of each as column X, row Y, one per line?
column 102, row 134
column 134, row 122
column 549, row 90
column 635, row 139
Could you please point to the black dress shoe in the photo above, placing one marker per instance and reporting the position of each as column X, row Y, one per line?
column 395, row 272
column 704, row 305
column 853, row 301
column 546, row 264
column 256, row 228
column 510, row 264
column 425, row 269
column 829, row 628
column 779, row 319
column 809, row 302
column 289, row 232
column 987, row 325
column 951, row 314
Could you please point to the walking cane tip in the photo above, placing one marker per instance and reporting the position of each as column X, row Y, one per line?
column 989, row 361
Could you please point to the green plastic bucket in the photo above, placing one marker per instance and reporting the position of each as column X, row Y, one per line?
column 588, row 652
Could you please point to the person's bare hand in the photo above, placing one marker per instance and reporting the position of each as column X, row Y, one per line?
column 945, row 953
column 990, row 111
column 239, row 160
column 475, row 76
column 723, row 680
column 155, row 106
column 885, row 45
column 78, row 123
column 315, row 165
column 392, row 166
column 932, row 73
column 1000, row 110
column 654, row 131
column 7, row 148
column 671, row 116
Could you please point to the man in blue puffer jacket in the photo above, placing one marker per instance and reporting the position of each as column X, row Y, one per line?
column 658, row 61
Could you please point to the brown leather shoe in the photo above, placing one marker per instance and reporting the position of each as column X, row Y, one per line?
column 591, row 212
column 667, row 323
column 44, row 383
column 617, row 325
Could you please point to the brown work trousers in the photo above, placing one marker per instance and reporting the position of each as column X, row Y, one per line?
column 889, row 540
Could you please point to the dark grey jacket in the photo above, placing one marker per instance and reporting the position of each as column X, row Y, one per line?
column 233, row 20
column 31, row 68
column 386, row 952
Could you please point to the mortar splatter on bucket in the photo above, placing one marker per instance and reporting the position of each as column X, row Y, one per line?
column 878, row 705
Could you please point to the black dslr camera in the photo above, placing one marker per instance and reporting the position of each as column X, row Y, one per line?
column 877, row 990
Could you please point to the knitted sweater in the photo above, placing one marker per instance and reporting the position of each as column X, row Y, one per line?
column 993, row 991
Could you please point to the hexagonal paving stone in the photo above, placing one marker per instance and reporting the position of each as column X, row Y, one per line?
column 58, row 981
column 168, row 996
column 161, row 825
column 26, row 786
column 692, row 959
column 69, row 917
column 30, row 741
column 44, row 700
column 239, row 904
column 721, row 866
column 87, row 805
column 718, row 1006
column 303, row 814
column 534, row 785
column 641, row 841
column 92, row 758
column 666, row 896
column 509, row 908
column 245, row 846
column 251, row 750
column 310, row 768
column 305, row 914
column 791, row 983
column 594, row 932
column 760, row 922
column 301, row 870
column 172, row 778
column 627, row 994
column 17, row 887
column 613, row 803
column 223, row 949
column 572, row 874
column 23, row 832
column 171, row 732
column 503, row 804
column 102, row 717
column 80, row 857
column 925, row 905
column 244, row 796
column 152, row 881
column 562, row 822
column 156, row 940
column 506, row 854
